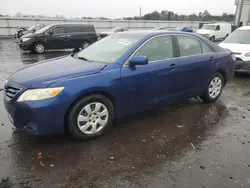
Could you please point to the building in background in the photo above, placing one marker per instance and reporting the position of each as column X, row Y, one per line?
column 242, row 10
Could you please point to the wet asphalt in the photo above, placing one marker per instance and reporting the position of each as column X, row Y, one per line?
column 187, row 144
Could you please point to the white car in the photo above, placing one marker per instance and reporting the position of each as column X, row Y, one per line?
column 215, row 31
column 239, row 43
column 113, row 30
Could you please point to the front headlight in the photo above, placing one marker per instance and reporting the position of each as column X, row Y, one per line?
column 40, row 94
column 247, row 54
column 25, row 39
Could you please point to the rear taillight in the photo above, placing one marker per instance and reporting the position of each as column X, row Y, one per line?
column 233, row 57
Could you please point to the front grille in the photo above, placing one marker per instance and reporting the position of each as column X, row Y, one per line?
column 10, row 92
column 238, row 59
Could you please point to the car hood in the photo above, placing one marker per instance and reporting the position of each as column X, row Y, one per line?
column 27, row 35
column 107, row 32
column 28, row 31
column 237, row 48
column 203, row 31
column 44, row 73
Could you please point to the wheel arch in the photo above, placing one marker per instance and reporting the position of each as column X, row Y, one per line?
column 98, row 92
column 223, row 73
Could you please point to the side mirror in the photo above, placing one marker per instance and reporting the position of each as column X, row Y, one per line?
column 138, row 60
column 51, row 33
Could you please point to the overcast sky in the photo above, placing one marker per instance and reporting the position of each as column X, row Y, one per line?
column 112, row 8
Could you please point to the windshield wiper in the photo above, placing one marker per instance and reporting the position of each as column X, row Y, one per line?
column 83, row 58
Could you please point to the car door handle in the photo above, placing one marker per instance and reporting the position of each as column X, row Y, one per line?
column 172, row 66
column 211, row 58
column 68, row 35
column 63, row 36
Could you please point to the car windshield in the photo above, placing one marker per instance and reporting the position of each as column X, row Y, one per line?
column 239, row 37
column 114, row 29
column 109, row 49
column 209, row 27
column 43, row 29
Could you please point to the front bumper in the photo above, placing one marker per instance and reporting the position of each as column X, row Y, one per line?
column 45, row 117
column 242, row 65
column 25, row 45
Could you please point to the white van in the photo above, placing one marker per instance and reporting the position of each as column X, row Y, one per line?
column 215, row 31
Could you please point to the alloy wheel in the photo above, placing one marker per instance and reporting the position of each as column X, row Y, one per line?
column 39, row 48
column 215, row 87
column 93, row 118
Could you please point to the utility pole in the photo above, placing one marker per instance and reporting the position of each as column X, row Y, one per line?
column 140, row 13
column 240, row 12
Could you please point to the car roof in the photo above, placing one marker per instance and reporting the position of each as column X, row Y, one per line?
column 244, row 28
column 218, row 23
column 212, row 24
column 149, row 33
column 70, row 24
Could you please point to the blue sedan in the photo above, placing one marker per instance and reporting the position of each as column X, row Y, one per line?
column 117, row 76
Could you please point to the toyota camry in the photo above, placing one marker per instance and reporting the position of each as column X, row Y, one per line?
column 122, row 74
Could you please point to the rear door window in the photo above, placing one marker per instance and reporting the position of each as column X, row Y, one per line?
column 74, row 29
column 80, row 28
column 189, row 46
column 206, row 49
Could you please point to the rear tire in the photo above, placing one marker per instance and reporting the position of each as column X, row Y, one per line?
column 39, row 48
column 214, row 88
column 90, row 117
column 226, row 36
column 212, row 38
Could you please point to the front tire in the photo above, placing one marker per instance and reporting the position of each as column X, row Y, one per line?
column 90, row 117
column 39, row 48
column 214, row 88
column 85, row 44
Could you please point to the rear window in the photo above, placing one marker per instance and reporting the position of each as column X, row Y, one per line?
column 75, row 29
column 89, row 28
column 189, row 46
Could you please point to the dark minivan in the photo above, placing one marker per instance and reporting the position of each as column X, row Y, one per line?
column 59, row 36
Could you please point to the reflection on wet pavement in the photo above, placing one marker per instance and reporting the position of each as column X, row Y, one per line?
column 186, row 144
